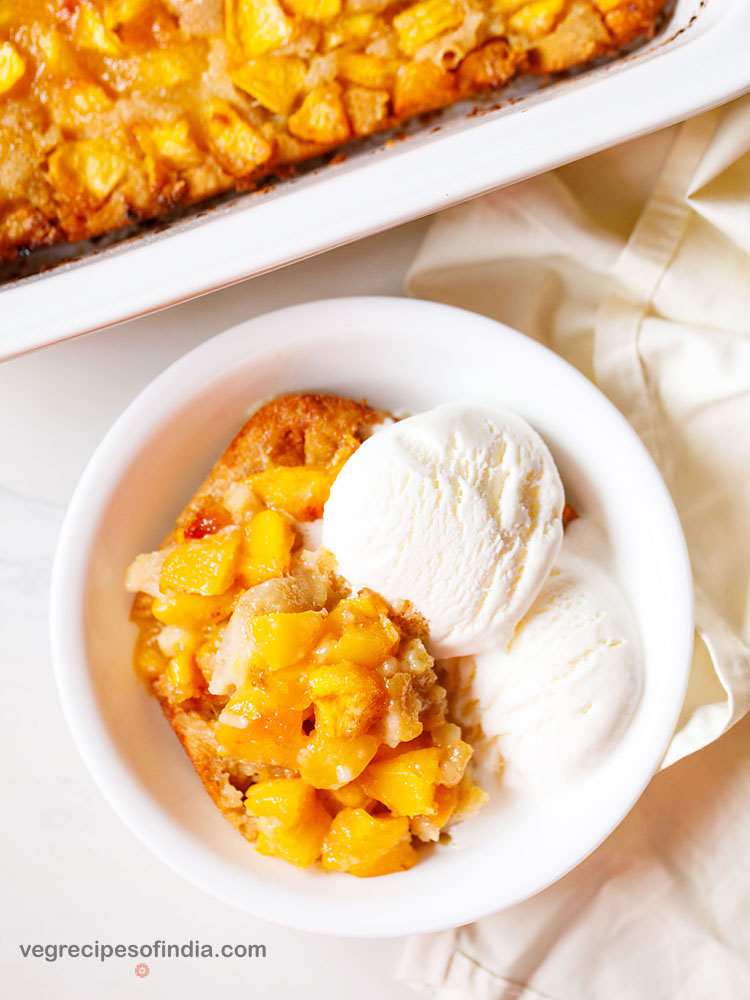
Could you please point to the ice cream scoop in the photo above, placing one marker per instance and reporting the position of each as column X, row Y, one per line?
column 559, row 696
column 456, row 510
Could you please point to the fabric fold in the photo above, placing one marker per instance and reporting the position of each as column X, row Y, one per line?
column 634, row 265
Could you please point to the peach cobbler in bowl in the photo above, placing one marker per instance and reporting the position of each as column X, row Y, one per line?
column 445, row 643
column 312, row 713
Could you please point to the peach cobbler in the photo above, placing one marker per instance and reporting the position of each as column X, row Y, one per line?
column 313, row 714
column 114, row 111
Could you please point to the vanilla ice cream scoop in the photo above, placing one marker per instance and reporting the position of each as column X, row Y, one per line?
column 457, row 510
column 560, row 695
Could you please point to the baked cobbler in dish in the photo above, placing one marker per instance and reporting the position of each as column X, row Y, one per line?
column 114, row 111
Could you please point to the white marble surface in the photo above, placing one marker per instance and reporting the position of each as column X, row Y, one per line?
column 73, row 872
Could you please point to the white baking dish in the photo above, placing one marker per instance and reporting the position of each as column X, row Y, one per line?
column 698, row 61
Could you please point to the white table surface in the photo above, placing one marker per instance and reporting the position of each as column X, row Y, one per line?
column 73, row 872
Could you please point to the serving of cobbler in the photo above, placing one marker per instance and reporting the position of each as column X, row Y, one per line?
column 313, row 714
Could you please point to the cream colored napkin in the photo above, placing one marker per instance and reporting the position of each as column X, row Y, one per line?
column 634, row 265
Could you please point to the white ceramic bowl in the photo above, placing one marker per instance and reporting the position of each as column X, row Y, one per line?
column 401, row 354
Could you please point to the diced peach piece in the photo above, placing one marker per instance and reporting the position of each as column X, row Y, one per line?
column 267, row 548
column 159, row 68
column 302, row 844
column 12, row 66
column 366, row 70
column 331, row 763
column 192, row 610
column 269, row 692
column 59, row 55
column 355, row 26
column 347, row 698
column 174, row 639
column 351, row 795
column 446, row 800
column 273, row 740
column 428, row 827
column 406, row 783
column 91, row 167
column 292, row 822
column 359, row 629
column 538, row 18
column 171, row 141
column 420, row 87
column 289, row 686
column 399, row 859
column 184, row 680
column 368, row 643
column 284, row 638
column 367, row 845
column 119, row 12
column 321, row 118
column 149, row 660
column 283, row 799
column 92, row 33
column 275, row 81
column 254, row 27
column 299, row 490
column 238, row 146
column 365, row 606
column 315, row 10
column 423, row 21
column 204, row 565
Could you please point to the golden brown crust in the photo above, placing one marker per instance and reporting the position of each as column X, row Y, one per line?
column 299, row 429
column 490, row 67
column 579, row 36
column 223, row 778
column 629, row 20
column 115, row 113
